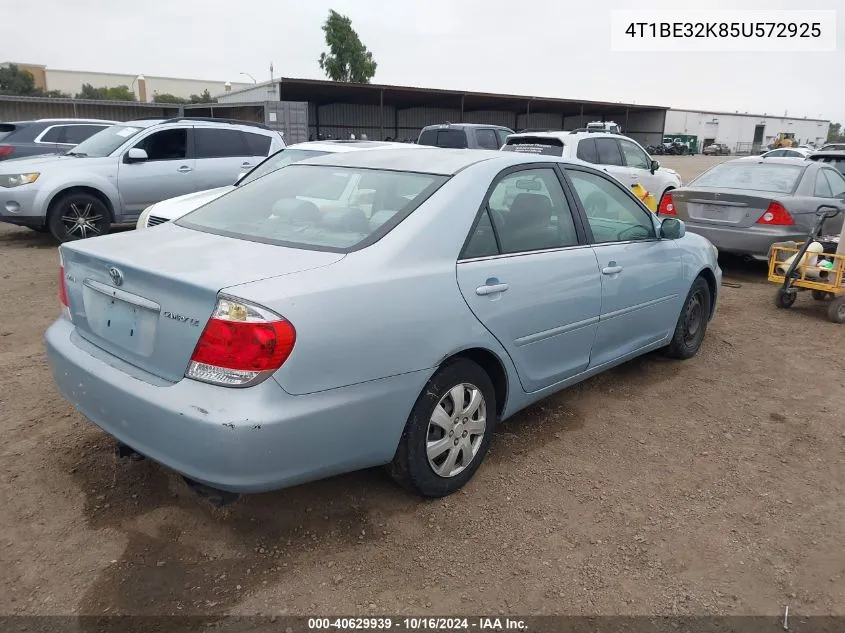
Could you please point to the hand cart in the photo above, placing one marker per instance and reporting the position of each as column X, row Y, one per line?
column 820, row 272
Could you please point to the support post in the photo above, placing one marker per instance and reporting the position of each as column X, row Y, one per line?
column 381, row 112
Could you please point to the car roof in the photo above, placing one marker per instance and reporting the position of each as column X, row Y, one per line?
column 563, row 135
column 340, row 145
column 432, row 160
column 465, row 125
column 67, row 120
column 829, row 152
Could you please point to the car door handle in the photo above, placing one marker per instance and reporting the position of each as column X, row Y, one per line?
column 491, row 289
column 611, row 270
column 184, row 169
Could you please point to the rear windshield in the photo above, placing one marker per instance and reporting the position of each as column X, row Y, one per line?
column 752, row 176
column 456, row 139
column 534, row 145
column 279, row 160
column 316, row 207
column 5, row 130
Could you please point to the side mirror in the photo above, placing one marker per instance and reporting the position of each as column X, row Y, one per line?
column 672, row 229
column 136, row 155
column 654, row 166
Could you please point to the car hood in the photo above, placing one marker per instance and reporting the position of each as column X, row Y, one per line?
column 25, row 162
column 173, row 208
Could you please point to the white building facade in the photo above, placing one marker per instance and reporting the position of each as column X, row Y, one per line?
column 743, row 133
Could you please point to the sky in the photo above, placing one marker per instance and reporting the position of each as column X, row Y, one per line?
column 544, row 48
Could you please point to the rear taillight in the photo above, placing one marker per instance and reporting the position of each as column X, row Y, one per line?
column 6, row 151
column 776, row 215
column 63, row 291
column 667, row 205
column 241, row 345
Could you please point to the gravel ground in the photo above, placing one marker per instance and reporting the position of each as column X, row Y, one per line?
column 711, row 486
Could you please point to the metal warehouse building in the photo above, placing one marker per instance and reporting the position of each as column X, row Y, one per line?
column 306, row 108
column 743, row 133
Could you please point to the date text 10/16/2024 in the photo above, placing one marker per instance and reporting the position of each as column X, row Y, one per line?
column 418, row 624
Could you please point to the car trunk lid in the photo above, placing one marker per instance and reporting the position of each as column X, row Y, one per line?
column 718, row 207
column 146, row 296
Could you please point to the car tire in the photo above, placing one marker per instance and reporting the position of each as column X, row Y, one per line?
column 821, row 295
column 836, row 310
column 785, row 299
column 692, row 322
column 67, row 212
column 40, row 229
column 435, row 441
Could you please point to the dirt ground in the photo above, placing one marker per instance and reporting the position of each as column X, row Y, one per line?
column 711, row 486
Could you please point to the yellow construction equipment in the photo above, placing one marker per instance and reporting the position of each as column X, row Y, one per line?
column 643, row 194
column 784, row 139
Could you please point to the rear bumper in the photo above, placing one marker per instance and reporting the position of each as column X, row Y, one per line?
column 754, row 241
column 241, row 440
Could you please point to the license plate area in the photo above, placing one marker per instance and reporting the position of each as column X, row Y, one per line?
column 120, row 318
column 716, row 212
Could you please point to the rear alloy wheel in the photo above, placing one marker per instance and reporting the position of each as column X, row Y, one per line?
column 836, row 310
column 692, row 322
column 77, row 216
column 785, row 298
column 448, row 432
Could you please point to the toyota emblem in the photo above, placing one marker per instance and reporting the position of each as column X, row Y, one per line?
column 116, row 276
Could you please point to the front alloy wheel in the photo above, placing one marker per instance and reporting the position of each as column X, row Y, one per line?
column 78, row 216
column 456, row 430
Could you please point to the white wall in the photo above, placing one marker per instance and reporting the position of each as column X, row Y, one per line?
column 266, row 91
column 71, row 81
column 739, row 128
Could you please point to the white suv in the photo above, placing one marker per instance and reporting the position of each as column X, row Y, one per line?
column 111, row 177
column 622, row 157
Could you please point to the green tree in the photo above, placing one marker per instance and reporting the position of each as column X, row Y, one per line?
column 117, row 93
column 348, row 59
column 834, row 133
column 168, row 98
column 14, row 81
column 54, row 94
column 203, row 97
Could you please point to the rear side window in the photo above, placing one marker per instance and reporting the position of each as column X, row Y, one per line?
column 52, row 135
column 587, row 150
column 836, row 181
column 259, row 144
column 608, row 150
column 216, row 143
column 316, row 207
column 487, row 139
column 452, row 138
column 822, row 189
column 547, row 146
column 5, row 130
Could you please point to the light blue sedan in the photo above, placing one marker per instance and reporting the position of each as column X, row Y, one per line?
column 370, row 308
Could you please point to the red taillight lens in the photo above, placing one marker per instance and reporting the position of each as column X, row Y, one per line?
column 6, row 150
column 667, row 205
column 776, row 215
column 239, row 344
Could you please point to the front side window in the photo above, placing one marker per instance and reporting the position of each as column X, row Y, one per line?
column 530, row 212
column 105, row 142
column 315, row 206
column 634, row 155
column 165, row 145
column 487, row 139
column 608, row 150
column 259, row 144
column 217, row 143
column 613, row 215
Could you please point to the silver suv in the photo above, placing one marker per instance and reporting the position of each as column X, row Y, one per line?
column 114, row 175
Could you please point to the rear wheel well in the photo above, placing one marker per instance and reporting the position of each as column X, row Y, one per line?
column 491, row 364
column 91, row 191
column 710, row 278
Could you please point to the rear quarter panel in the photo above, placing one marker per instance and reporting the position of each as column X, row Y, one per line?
column 392, row 308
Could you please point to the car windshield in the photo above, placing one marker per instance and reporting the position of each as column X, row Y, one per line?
column 279, row 160
column 534, row 145
column 753, row 176
column 316, row 207
column 105, row 142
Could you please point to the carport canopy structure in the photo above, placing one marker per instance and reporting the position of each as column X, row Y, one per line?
column 637, row 120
